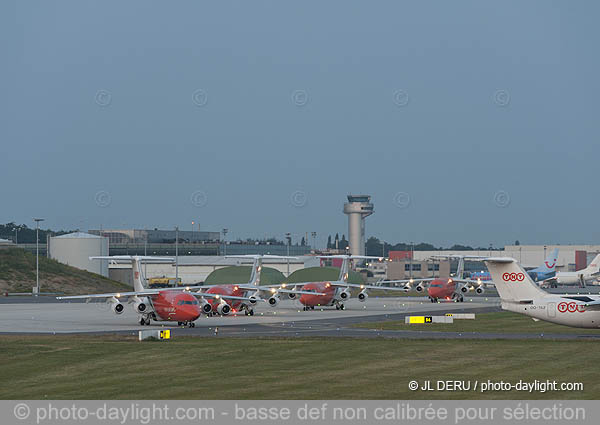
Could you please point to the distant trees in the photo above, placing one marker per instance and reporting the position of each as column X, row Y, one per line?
column 25, row 234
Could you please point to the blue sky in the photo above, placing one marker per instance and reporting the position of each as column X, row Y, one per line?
column 262, row 116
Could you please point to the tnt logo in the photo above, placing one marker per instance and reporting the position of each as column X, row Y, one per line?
column 570, row 307
column 513, row 277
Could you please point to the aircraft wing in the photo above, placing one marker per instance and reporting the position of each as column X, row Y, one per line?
column 225, row 297
column 111, row 295
column 355, row 285
column 277, row 289
column 427, row 279
column 470, row 281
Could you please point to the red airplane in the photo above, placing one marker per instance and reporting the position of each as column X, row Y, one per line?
column 244, row 296
column 318, row 294
column 450, row 289
column 180, row 305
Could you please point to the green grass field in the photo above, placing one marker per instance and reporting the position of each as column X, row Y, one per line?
column 501, row 322
column 17, row 274
column 120, row 367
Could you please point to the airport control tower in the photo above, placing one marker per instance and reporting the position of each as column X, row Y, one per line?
column 358, row 208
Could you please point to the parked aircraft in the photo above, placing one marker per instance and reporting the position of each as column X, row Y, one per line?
column 178, row 304
column 580, row 277
column 545, row 271
column 518, row 293
column 244, row 296
column 335, row 293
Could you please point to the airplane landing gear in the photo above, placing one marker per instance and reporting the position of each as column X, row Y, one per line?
column 249, row 312
column 144, row 320
column 339, row 306
column 458, row 298
column 433, row 300
column 191, row 325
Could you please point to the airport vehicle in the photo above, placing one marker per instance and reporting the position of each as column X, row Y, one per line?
column 337, row 292
column 163, row 282
column 543, row 272
column 519, row 294
column 179, row 304
column 244, row 296
column 580, row 277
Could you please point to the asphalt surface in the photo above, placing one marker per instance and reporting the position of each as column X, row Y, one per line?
column 46, row 316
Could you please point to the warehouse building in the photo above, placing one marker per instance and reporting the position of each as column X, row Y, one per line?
column 195, row 269
column 75, row 249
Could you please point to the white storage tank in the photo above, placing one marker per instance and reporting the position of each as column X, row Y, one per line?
column 75, row 249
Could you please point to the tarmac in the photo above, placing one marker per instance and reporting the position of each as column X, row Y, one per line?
column 49, row 316
column 44, row 315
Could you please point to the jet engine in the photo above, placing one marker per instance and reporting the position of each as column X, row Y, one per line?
column 464, row 289
column 480, row 290
column 224, row 309
column 206, row 306
column 345, row 295
column 274, row 300
column 117, row 307
column 419, row 288
column 292, row 295
column 141, row 305
column 362, row 296
column 253, row 299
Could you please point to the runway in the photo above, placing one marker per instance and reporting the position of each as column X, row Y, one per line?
column 79, row 317
column 286, row 320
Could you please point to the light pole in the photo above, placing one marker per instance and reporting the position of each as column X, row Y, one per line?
column 176, row 255
column 314, row 236
column 412, row 256
column 37, row 254
column 16, row 236
column 225, row 231
column 288, row 236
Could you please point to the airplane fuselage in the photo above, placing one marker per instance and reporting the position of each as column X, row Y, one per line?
column 559, row 310
column 230, row 290
column 318, row 300
column 441, row 289
column 573, row 278
column 175, row 306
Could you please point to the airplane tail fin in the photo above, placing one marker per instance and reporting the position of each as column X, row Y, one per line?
column 345, row 268
column 257, row 264
column 460, row 270
column 138, row 276
column 256, row 270
column 136, row 266
column 512, row 281
column 550, row 262
column 594, row 266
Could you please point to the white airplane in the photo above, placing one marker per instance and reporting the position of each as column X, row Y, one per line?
column 580, row 277
column 518, row 293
